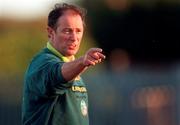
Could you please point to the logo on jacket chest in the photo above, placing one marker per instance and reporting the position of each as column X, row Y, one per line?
column 80, row 89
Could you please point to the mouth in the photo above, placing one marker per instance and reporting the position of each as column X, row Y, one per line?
column 72, row 46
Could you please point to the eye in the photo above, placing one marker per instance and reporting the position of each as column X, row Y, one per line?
column 78, row 31
column 67, row 31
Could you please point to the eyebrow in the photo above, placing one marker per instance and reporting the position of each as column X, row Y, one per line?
column 68, row 28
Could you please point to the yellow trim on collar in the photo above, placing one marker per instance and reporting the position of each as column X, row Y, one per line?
column 53, row 50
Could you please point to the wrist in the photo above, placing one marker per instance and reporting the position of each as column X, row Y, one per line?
column 83, row 62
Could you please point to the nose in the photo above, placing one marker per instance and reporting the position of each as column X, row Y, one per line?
column 73, row 36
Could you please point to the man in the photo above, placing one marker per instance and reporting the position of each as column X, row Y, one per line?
column 54, row 93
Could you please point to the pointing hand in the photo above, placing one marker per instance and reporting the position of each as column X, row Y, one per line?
column 93, row 56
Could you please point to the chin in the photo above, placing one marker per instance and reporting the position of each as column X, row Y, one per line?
column 70, row 53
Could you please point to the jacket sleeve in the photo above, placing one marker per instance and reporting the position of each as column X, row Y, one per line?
column 45, row 76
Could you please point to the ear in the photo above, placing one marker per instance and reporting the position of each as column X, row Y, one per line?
column 50, row 32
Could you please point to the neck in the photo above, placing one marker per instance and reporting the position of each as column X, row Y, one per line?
column 55, row 51
column 71, row 58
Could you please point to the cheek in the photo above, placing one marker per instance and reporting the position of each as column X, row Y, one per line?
column 78, row 45
column 80, row 38
column 79, row 42
column 65, row 38
column 62, row 39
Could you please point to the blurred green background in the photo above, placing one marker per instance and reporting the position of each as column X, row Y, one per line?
column 138, row 83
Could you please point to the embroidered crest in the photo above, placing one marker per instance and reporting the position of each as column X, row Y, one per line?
column 84, row 109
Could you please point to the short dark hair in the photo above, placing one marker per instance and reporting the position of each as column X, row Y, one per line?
column 58, row 11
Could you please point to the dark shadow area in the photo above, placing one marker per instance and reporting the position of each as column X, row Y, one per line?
column 149, row 34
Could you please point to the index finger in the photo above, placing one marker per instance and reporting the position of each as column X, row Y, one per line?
column 101, row 55
column 95, row 50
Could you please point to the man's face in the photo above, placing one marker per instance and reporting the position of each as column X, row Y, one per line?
column 68, row 34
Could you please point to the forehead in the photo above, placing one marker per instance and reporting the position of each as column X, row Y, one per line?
column 70, row 18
